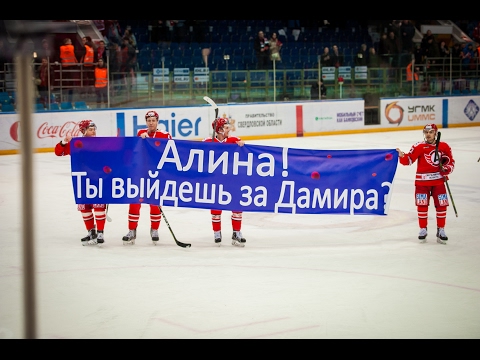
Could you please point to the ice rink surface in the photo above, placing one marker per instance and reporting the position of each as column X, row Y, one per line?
column 298, row 277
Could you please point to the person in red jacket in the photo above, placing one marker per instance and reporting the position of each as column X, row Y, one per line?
column 94, row 215
column 432, row 172
column 222, row 129
column 151, row 118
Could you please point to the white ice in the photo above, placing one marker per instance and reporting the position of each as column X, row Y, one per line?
column 299, row 276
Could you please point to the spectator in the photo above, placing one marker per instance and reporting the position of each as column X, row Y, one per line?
column 101, row 52
column 114, row 31
column 337, row 57
column 325, row 58
column 101, row 83
column 275, row 47
column 425, row 38
column 128, row 61
column 384, row 50
column 261, row 47
column 407, row 34
column 412, row 73
column 396, row 28
column 115, row 64
column 129, row 33
column 44, row 79
column 444, row 54
column 468, row 57
column 373, row 60
column 476, row 33
column 432, row 54
column 46, row 51
column 418, row 54
column 394, row 49
column 69, row 70
column 318, row 90
column 87, row 58
column 361, row 59
column 456, row 56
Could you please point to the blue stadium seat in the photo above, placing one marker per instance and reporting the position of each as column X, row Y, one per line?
column 39, row 107
column 66, row 105
column 80, row 105
column 8, row 107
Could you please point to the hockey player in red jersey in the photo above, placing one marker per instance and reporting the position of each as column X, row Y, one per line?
column 222, row 129
column 91, row 213
column 151, row 118
column 430, row 179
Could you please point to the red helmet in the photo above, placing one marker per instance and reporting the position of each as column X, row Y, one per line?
column 219, row 123
column 429, row 127
column 151, row 113
column 85, row 124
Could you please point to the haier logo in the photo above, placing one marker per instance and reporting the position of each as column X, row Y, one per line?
column 182, row 128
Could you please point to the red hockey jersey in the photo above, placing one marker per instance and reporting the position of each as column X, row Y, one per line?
column 428, row 167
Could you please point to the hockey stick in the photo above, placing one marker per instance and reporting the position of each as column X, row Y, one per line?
column 109, row 219
column 179, row 243
column 441, row 167
column 211, row 102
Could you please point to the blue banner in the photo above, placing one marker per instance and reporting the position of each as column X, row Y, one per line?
column 195, row 174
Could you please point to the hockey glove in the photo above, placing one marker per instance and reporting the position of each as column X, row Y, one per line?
column 446, row 170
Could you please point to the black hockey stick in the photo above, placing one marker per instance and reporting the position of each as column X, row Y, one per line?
column 179, row 243
column 441, row 167
column 211, row 102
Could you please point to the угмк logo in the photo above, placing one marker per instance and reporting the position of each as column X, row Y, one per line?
column 394, row 110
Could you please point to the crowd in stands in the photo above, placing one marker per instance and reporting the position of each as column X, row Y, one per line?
column 141, row 45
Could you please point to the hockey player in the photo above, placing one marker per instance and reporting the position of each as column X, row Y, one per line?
column 91, row 213
column 432, row 172
column 222, row 129
column 151, row 118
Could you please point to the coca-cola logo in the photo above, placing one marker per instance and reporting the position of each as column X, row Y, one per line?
column 70, row 128
column 14, row 131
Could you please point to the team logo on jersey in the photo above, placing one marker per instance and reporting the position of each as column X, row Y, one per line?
column 422, row 199
column 471, row 110
column 443, row 199
column 430, row 158
column 394, row 109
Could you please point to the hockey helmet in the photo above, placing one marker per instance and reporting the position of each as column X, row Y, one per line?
column 85, row 124
column 429, row 127
column 219, row 123
column 151, row 113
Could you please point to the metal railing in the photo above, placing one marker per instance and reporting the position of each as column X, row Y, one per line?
column 437, row 76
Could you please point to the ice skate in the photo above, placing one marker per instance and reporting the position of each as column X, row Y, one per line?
column 238, row 239
column 100, row 239
column 441, row 236
column 154, row 235
column 422, row 235
column 90, row 239
column 217, row 235
column 129, row 239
